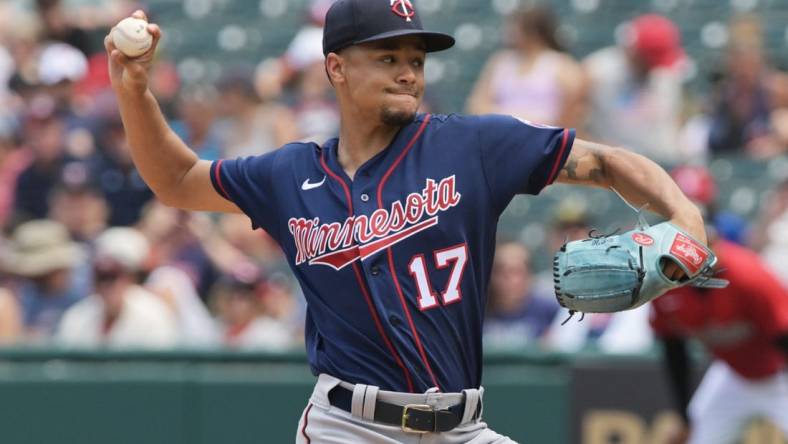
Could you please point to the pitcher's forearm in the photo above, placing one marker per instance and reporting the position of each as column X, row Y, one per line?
column 160, row 156
column 639, row 180
column 643, row 182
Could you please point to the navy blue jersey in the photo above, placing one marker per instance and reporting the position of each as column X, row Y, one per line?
column 394, row 264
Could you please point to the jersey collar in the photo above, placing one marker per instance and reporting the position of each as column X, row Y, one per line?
column 378, row 164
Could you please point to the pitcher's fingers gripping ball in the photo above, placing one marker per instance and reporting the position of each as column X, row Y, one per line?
column 604, row 274
column 131, row 37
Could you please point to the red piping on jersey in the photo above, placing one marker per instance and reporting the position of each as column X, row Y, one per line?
column 363, row 288
column 399, row 159
column 306, row 421
column 554, row 173
column 391, row 256
column 219, row 178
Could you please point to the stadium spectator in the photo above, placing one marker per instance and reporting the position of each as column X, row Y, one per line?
column 51, row 273
column 78, row 204
column 254, row 244
column 298, row 78
column 250, row 126
column 173, row 274
column 747, row 98
column 534, row 79
column 10, row 318
column 21, row 36
column 770, row 235
column 196, row 328
column 13, row 161
column 123, row 188
column 44, row 133
column 279, row 305
column 57, row 27
column 196, row 123
column 570, row 220
column 700, row 186
column 120, row 314
column 166, row 82
column 272, row 76
column 232, row 242
column 174, row 243
column 237, row 300
column 74, row 22
column 636, row 89
column 313, row 104
column 518, row 312
column 7, row 68
column 60, row 68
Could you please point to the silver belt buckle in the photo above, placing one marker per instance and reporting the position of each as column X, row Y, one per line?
column 420, row 407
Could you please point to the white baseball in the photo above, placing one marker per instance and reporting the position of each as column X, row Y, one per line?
column 131, row 36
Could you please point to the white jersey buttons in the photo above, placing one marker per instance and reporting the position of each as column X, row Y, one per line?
column 364, row 197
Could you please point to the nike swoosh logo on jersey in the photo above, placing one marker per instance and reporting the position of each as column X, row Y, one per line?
column 306, row 186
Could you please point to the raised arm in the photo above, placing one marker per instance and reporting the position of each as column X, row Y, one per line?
column 172, row 170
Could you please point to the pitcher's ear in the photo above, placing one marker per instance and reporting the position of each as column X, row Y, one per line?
column 335, row 68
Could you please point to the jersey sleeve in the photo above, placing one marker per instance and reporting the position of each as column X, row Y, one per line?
column 657, row 319
column 520, row 157
column 247, row 182
column 667, row 314
column 769, row 309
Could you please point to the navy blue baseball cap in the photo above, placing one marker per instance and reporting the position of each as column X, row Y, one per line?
column 350, row 22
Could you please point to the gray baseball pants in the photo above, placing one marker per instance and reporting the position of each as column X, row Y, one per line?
column 322, row 423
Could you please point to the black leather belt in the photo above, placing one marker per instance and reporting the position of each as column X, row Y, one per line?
column 413, row 418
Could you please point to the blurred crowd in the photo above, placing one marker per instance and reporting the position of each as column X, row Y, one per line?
column 88, row 256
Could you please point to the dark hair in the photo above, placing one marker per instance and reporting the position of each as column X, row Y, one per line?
column 540, row 21
column 238, row 79
column 45, row 5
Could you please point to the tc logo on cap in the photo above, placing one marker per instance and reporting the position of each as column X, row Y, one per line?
column 403, row 8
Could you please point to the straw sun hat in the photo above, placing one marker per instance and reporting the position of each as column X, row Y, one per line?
column 39, row 247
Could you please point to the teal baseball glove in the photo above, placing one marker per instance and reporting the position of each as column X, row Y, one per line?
column 605, row 274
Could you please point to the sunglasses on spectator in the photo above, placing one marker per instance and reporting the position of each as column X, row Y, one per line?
column 106, row 277
column 107, row 271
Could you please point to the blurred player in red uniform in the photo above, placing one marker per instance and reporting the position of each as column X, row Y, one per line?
column 744, row 327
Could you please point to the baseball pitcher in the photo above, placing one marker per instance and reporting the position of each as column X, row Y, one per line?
column 389, row 228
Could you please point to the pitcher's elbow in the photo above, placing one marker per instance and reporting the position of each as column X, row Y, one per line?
column 166, row 197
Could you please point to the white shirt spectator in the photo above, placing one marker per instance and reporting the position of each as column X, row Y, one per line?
column 623, row 332
column 643, row 117
column 264, row 333
column 196, row 328
column 144, row 322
